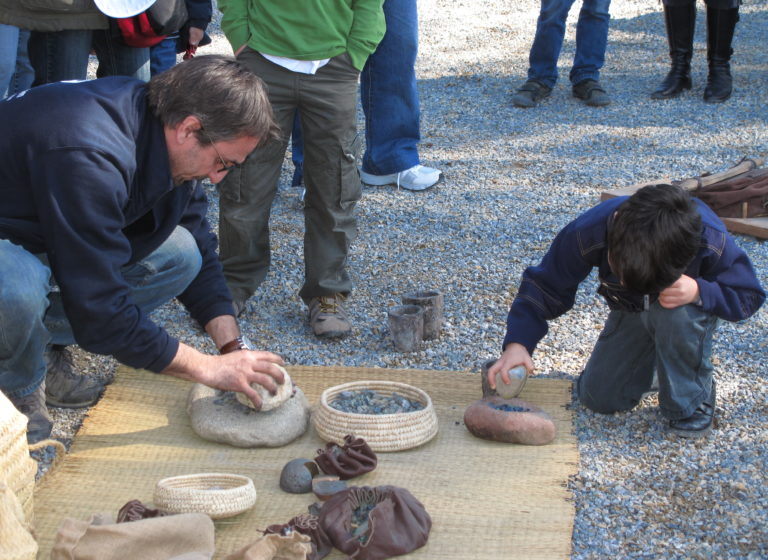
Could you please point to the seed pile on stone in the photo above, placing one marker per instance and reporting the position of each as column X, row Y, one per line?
column 368, row 401
column 509, row 407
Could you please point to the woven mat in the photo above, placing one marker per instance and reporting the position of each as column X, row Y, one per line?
column 487, row 499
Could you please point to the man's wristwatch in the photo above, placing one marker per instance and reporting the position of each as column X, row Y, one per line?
column 240, row 343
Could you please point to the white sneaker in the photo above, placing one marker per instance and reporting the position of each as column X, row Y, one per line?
column 417, row 178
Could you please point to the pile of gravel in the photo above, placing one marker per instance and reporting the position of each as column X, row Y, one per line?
column 513, row 178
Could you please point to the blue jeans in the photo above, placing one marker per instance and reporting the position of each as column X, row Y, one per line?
column 32, row 315
column 163, row 55
column 591, row 40
column 675, row 343
column 389, row 97
column 63, row 55
column 9, row 44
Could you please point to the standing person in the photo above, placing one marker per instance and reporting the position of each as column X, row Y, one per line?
column 102, row 197
column 390, row 100
column 668, row 270
column 310, row 64
column 163, row 55
column 680, row 20
column 591, row 41
column 65, row 32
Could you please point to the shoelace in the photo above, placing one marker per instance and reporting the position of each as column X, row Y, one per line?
column 328, row 305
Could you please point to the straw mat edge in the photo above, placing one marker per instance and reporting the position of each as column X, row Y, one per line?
column 486, row 499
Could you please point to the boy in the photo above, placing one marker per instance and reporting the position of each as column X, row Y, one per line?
column 668, row 270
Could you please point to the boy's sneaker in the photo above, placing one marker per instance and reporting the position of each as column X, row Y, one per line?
column 417, row 178
column 591, row 93
column 328, row 318
column 39, row 424
column 699, row 423
column 65, row 388
column 530, row 93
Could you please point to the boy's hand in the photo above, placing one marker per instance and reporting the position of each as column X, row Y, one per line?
column 684, row 291
column 514, row 355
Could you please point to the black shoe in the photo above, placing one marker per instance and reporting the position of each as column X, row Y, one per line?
column 699, row 423
column 39, row 424
column 530, row 93
column 592, row 93
column 65, row 388
column 680, row 22
column 720, row 28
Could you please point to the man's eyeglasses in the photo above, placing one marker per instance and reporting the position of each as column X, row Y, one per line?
column 225, row 165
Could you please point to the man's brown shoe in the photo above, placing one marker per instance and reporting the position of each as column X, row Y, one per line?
column 328, row 318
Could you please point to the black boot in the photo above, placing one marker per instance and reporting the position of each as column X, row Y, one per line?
column 720, row 27
column 680, row 21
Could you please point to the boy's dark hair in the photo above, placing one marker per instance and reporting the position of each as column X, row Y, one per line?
column 229, row 100
column 654, row 237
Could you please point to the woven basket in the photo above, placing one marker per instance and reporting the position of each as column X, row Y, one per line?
column 216, row 494
column 16, row 466
column 382, row 432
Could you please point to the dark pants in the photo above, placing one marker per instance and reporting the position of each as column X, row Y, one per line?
column 675, row 343
column 326, row 102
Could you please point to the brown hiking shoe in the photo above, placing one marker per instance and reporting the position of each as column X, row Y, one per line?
column 328, row 318
column 63, row 387
column 39, row 424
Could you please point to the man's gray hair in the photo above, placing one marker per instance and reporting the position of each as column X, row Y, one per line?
column 229, row 100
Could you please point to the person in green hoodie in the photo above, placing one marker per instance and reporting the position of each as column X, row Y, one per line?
column 310, row 54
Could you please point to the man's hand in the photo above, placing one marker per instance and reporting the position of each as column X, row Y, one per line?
column 514, row 355
column 235, row 371
column 684, row 291
column 195, row 36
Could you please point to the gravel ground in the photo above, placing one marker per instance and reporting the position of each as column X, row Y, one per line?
column 513, row 177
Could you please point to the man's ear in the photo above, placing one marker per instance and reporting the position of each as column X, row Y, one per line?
column 187, row 129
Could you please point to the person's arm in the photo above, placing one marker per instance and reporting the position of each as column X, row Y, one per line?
column 367, row 31
column 234, row 23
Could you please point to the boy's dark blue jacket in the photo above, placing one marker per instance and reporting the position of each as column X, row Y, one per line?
column 85, row 179
column 727, row 283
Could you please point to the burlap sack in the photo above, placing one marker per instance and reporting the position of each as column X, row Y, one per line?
column 352, row 459
column 306, row 524
column 16, row 542
column 186, row 535
column 293, row 546
column 395, row 523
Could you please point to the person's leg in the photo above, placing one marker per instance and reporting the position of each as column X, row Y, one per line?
column 389, row 96
column 9, row 42
column 591, row 40
column 680, row 22
column 548, row 41
column 60, row 55
column 24, row 75
column 247, row 193
column 297, row 152
column 163, row 55
column 154, row 281
column 117, row 59
column 683, row 348
column 722, row 16
column 620, row 368
column 23, row 335
column 331, row 148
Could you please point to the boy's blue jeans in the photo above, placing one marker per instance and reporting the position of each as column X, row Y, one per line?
column 32, row 315
column 675, row 343
column 591, row 40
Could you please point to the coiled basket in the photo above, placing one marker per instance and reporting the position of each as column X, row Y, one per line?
column 216, row 494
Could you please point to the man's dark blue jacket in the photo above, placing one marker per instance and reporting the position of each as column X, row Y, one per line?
column 727, row 283
column 85, row 179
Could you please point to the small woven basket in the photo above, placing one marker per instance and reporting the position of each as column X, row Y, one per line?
column 382, row 432
column 216, row 494
column 16, row 466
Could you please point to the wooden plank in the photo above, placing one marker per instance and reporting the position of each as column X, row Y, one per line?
column 757, row 227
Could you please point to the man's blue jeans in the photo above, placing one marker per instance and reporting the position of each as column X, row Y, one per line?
column 163, row 55
column 675, row 343
column 32, row 315
column 591, row 40
column 15, row 72
column 63, row 55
